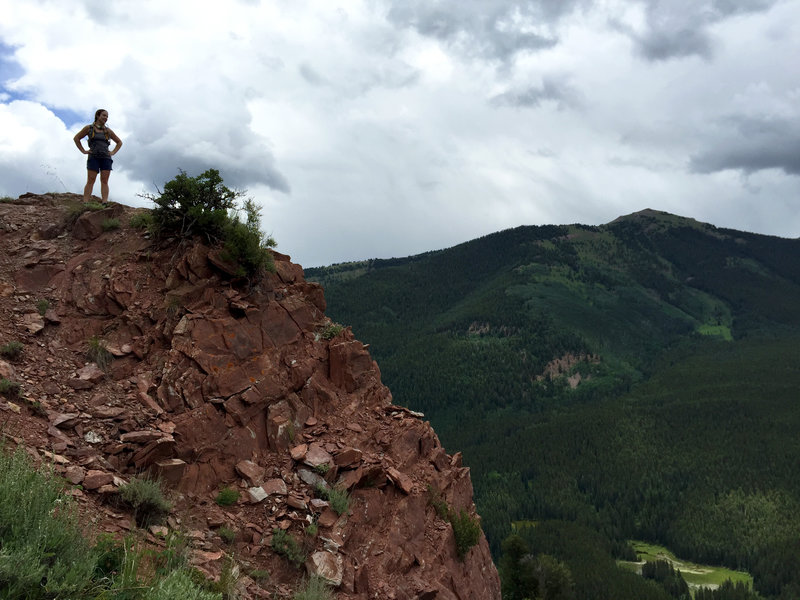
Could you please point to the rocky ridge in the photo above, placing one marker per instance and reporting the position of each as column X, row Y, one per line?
column 208, row 383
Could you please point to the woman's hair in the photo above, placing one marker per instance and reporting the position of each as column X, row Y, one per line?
column 97, row 113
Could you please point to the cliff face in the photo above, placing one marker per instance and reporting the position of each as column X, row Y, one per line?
column 210, row 384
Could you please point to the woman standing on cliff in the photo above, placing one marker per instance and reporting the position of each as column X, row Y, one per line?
column 99, row 160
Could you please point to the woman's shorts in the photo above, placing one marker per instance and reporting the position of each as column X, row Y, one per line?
column 97, row 163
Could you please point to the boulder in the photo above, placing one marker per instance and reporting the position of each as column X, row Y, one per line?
column 327, row 565
column 95, row 479
column 251, row 472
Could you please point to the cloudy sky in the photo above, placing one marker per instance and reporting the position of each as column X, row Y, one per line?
column 380, row 128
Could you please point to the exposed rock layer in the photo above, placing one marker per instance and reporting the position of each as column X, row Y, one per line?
column 211, row 383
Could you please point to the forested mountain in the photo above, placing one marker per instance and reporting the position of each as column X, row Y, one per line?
column 639, row 379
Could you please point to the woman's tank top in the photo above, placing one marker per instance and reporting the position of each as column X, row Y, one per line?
column 98, row 143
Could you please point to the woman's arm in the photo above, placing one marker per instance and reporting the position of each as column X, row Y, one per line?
column 79, row 136
column 116, row 139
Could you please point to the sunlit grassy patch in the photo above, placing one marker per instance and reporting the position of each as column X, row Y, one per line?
column 720, row 331
column 695, row 575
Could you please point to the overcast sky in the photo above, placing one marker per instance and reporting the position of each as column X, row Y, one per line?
column 380, row 128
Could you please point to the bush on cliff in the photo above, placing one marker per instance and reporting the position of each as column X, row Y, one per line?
column 203, row 206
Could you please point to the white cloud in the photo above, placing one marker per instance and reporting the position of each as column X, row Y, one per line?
column 369, row 129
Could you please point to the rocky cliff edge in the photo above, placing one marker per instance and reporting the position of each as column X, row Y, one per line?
column 210, row 383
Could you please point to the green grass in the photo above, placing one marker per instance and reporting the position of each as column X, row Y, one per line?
column 45, row 553
column 110, row 224
column 696, row 575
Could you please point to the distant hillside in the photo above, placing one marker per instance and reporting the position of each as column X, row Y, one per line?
column 585, row 373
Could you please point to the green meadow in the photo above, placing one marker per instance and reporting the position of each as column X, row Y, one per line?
column 696, row 575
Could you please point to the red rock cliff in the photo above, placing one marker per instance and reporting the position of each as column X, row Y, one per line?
column 211, row 385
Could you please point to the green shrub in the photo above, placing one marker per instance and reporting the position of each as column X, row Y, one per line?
column 331, row 331
column 312, row 529
column 203, row 206
column 466, row 530
column 227, row 496
column 147, row 500
column 288, row 547
column 110, row 224
column 227, row 534
column 11, row 350
column 10, row 389
column 244, row 242
column 98, row 353
column 338, row 498
column 314, row 588
column 141, row 220
column 42, row 306
column 439, row 504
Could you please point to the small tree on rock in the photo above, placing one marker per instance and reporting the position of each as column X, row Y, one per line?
column 203, row 206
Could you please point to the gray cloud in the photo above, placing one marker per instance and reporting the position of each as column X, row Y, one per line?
column 160, row 161
column 485, row 28
column 561, row 93
column 753, row 144
column 679, row 28
column 310, row 75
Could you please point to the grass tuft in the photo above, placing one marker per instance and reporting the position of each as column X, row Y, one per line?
column 42, row 306
column 11, row 350
column 9, row 389
column 338, row 498
column 147, row 500
column 227, row 496
column 314, row 588
column 288, row 547
column 110, row 224
column 98, row 353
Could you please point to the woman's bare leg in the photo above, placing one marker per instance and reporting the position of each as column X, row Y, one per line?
column 104, row 185
column 90, row 179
